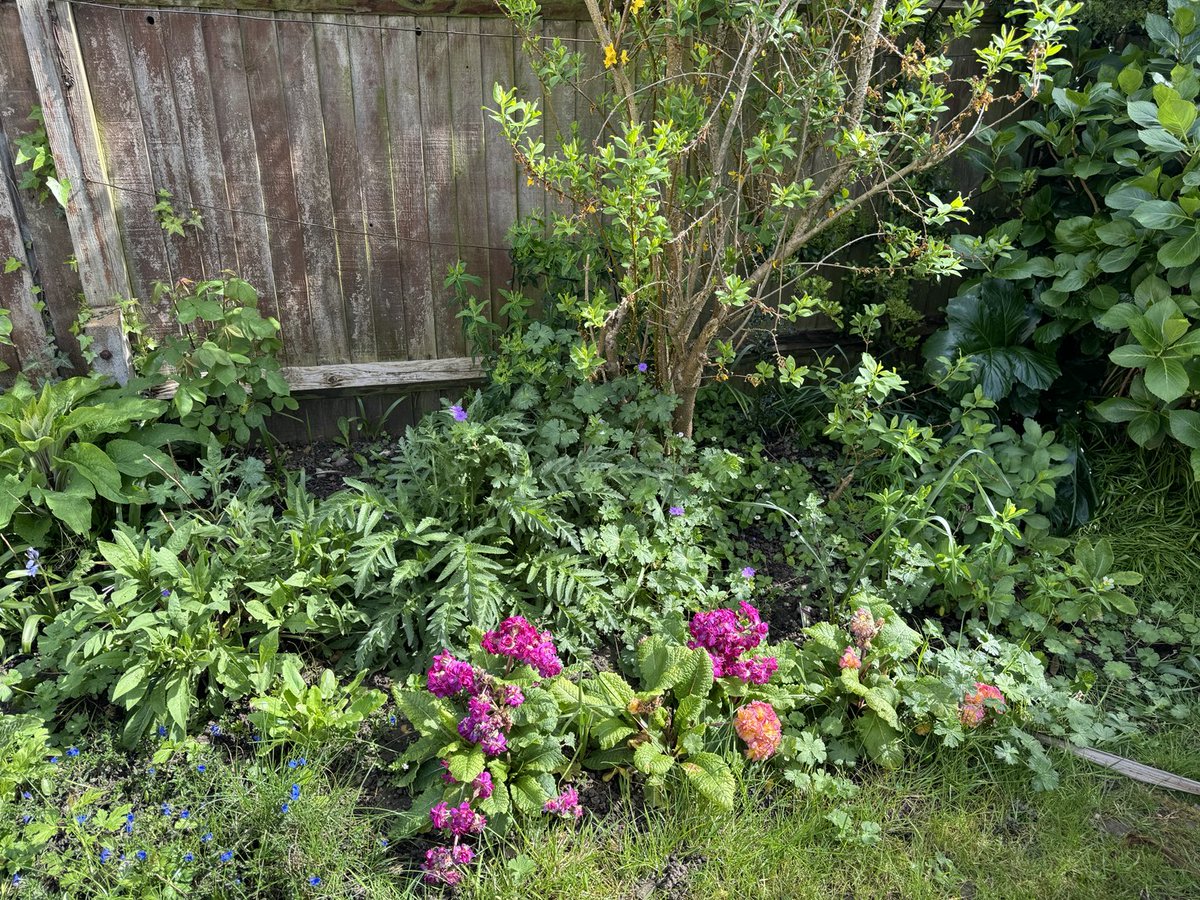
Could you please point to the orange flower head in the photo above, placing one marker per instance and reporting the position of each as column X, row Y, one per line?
column 757, row 724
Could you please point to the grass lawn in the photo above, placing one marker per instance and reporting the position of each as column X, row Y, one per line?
column 949, row 828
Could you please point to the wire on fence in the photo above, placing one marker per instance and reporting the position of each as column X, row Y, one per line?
column 348, row 23
column 378, row 235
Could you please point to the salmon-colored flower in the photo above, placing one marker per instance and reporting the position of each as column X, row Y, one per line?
column 978, row 703
column 757, row 724
column 850, row 659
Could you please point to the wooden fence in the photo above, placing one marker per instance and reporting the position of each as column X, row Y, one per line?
column 339, row 157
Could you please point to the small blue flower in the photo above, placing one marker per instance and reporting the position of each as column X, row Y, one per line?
column 129, row 817
column 141, row 855
column 25, row 795
column 81, row 819
column 201, row 768
column 295, row 792
column 72, row 752
column 227, row 856
column 642, row 367
column 151, row 770
column 292, row 763
column 302, row 761
column 166, row 592
column 162, row 731
column 31, row 562
column 16, row 879
column 121, row 858
column 105, row 854
column 188, row 857
column 214, row 729
column 383, row 842
column 184, row 814
column 166, row 809
column 206, row 837
column 127, row 828
column 25, row 820
column 284, row 807
column 392, row 719
column 256, row 738
column 314, row 880
column 54, row 760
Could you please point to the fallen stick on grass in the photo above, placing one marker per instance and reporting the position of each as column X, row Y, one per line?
column 1127, row 767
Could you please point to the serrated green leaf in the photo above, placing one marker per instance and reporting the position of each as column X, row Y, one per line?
column 467, row 765
column 650, row 760
column 711, row 775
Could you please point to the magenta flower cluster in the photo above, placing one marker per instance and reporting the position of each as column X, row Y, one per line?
column 565, row 804
column 443, row 865
column 449, row 676
column 518, row 639
column 461, row 820
column 490, row 704
column 729, row 634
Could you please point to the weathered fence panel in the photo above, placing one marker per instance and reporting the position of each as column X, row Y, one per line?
column 42, row 234
column 340, row 164
column 338, row 153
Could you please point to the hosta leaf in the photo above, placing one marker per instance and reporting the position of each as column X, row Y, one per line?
column 990, row 324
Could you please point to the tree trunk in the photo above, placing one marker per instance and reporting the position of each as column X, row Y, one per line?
column 686, row 385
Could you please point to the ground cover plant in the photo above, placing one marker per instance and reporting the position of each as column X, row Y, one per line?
column 602, row 627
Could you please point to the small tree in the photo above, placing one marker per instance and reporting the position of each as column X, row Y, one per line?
column 737, row 132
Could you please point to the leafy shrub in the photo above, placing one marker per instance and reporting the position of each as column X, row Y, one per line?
column 70, row 445
column 1107, row 242
column 225, row 361
column 701, row 208
column 566, row 520
column 326, row 714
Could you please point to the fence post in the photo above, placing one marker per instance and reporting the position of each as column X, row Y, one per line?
column 57, row 65
column 16, row 287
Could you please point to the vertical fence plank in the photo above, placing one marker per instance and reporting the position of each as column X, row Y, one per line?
column 247, row 247
column 341, row 148
column 501, row 168
column 16, row 288
column 408, row 184
column 45, row 229
column 183, row 41
column 433, row 55
column 468, row 159
column 298, row 56
column 560, row 110
column 156, row 96
column 268, row 118
column 117, row 112
column 50, row 40
column 386, row 316
column 531, row 196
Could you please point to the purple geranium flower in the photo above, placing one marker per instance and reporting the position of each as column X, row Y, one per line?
column 460, row 414
column 676, row 510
